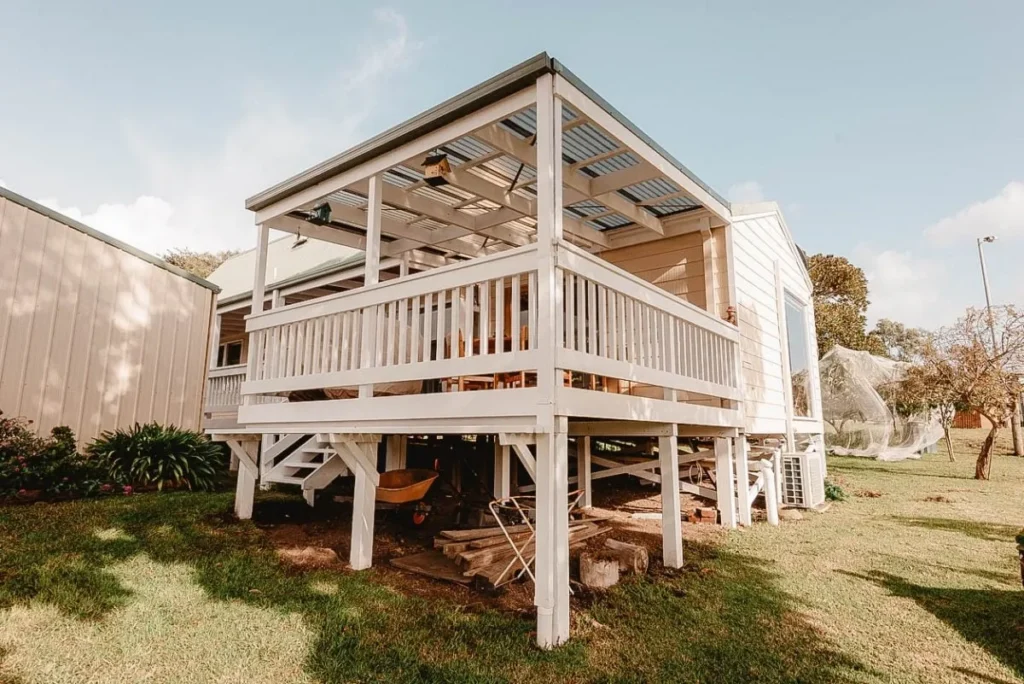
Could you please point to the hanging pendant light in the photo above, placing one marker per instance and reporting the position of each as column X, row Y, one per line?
column 435, row 166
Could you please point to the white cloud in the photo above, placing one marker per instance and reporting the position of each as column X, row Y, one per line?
column 3, row 183
column 146, row 223
column 905, row 287
column 196, row 199
column 1002, row 215
column 747, row 192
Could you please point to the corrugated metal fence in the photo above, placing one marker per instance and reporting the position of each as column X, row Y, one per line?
column 95, row 334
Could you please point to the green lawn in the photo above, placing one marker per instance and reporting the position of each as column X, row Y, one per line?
column 168, row 588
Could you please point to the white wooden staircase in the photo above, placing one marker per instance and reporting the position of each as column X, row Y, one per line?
column 301, row 460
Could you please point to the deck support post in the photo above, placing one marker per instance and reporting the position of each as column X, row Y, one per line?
column 671, row 514
column 726, row 484
column 552, row 477
column 742, row 481
column 247, row 452
column 771, row 502
column 502, row 471
column 395, row 455
column 583, row 471
column 359, row 452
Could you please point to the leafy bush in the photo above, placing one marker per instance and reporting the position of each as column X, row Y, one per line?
column 834, row 492
column 51, row 464
column 152, row 454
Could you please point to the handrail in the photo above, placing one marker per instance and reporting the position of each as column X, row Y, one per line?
column 508, row 262
column 570, row 256
column 224, row 371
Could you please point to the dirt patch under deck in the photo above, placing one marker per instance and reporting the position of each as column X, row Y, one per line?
column 290, row 524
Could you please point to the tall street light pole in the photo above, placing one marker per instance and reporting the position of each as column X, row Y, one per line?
column 1015, row 416
column 988, row 297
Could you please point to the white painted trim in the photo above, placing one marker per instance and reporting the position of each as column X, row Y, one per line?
column 584, row 403
column 583, row 362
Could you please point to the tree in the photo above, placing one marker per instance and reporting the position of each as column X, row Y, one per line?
column 899, row 342
column 959, row 368
column 840, row 304
column 199, row 264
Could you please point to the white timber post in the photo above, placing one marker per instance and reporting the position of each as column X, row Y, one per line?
column 269, row 440
column 551, row 594
column 725, row 484
column 403, row 265
column 502, row 470
column 395, row 452
column 671, row 515
column 771, row 502
column 742, row 480
column 215, row 339
column 583, row 471
column 245, row 487
column 359, row 452
column 246, row 484
column 371, row 277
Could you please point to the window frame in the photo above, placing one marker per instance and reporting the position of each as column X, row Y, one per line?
column 791, row 298
column 222, row 353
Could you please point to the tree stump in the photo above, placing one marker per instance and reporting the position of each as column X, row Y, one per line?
column 599, row 571
column 632, row 559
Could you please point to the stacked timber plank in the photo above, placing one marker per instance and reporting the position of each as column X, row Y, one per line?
column 486, row 553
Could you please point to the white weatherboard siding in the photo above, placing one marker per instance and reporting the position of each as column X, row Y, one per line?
column 92, row 335
column 759, row 242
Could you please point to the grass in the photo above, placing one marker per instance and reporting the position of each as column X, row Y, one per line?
column 169, row 588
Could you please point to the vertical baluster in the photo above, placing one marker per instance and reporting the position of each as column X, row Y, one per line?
column 441, row 325
column 592, row 322
column 499, row 315
column 316, row 338
column 391, row 351
column 455, row 333
column 581, row 314
column 531, row 308
column 300, row 354
column 570, row 311
column 377, row 352
column 428, row 319
column 615, row 317
column 414, row 331
column 640, row 357
column 343, row 344
column 336, row 342
column 515, row 304
column 602, row 319
column 485, row 318
column 288, row 355
column 467, row 323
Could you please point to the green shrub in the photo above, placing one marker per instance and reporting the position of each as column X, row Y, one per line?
column 152, row 454
column 834, row 492
column 50, row 464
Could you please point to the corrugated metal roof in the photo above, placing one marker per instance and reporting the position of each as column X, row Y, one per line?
column 488, row 92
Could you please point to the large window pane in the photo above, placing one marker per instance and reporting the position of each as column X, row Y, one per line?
column 799, row 357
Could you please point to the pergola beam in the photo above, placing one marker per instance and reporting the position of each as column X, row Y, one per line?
column 579, row 188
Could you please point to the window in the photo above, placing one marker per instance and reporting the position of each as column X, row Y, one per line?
column 229, row 354
column 799, row 356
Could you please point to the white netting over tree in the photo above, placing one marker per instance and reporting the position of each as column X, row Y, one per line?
column 863, row 411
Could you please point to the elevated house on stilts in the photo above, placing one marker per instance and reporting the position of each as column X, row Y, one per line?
column 528, row 252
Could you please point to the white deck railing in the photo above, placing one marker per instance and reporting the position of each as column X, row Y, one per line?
column 224, row 389
column 617, row 325
column 475, row 318
column 478, row 319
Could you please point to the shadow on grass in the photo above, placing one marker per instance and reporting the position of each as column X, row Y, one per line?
column 972, row 528
column 991, row 618
column 722, row 619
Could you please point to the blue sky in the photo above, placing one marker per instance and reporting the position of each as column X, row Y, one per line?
column 890, row 133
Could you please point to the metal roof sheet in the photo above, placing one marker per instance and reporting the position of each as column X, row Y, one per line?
column 506, row 83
